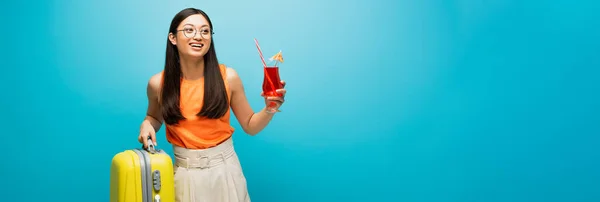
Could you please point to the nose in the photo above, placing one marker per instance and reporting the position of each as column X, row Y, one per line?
column 198, row 36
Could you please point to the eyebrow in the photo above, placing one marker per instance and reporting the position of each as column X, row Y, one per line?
column 194, row 26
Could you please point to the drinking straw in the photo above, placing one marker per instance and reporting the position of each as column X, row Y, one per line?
column 260, row 53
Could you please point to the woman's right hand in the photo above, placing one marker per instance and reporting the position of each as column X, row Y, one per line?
column 147, row 131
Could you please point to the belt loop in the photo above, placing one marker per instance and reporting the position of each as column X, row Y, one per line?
column 187, row 163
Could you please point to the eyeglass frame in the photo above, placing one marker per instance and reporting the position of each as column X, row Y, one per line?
column 195, row 32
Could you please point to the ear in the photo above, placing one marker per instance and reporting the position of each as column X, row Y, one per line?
column 172, row 39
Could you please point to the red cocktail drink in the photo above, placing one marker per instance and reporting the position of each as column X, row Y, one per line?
column 271, row 82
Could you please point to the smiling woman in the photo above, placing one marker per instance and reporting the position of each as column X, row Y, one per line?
column 192, row 96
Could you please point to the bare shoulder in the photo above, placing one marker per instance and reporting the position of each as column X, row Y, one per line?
column 233, row 79
column 231, row 73
column 154, row 84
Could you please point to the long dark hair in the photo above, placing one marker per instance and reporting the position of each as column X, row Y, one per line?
column 215, row 103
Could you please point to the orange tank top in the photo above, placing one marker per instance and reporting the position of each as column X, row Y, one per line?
column 198, row 132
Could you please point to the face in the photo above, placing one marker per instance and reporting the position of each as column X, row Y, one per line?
column 193, row 36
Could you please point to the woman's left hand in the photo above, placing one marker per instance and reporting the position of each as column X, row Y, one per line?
column 279, row 100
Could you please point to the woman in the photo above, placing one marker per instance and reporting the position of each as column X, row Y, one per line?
column 192, row 96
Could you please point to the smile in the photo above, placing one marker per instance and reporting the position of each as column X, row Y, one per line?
column 197, row 45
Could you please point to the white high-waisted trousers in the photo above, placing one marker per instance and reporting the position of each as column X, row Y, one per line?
column 209, row 175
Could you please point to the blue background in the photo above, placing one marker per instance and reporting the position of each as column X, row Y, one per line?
column 463, row 100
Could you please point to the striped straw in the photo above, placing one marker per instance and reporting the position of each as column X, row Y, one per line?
column 260, row 53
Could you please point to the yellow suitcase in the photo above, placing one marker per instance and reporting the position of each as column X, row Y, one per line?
column 142, row 175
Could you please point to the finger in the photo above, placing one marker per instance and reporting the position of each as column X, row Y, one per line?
column 274, row 98
column 153, row 136
column 283, row 83
column 145, row 141
column 277, row 99
column 281, row 91
column 262, row 94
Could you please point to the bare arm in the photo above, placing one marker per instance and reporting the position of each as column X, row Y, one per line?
column 252, row 123
column 153, row 119
column 153, row 113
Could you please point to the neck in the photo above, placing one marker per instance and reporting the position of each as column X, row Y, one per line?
column 192, row 69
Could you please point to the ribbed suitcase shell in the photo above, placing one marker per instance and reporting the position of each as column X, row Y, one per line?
column 138, row 175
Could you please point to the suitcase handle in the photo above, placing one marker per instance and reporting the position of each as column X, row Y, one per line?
column 151, row 148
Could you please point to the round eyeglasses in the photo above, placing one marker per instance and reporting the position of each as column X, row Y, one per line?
column 190, row 32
